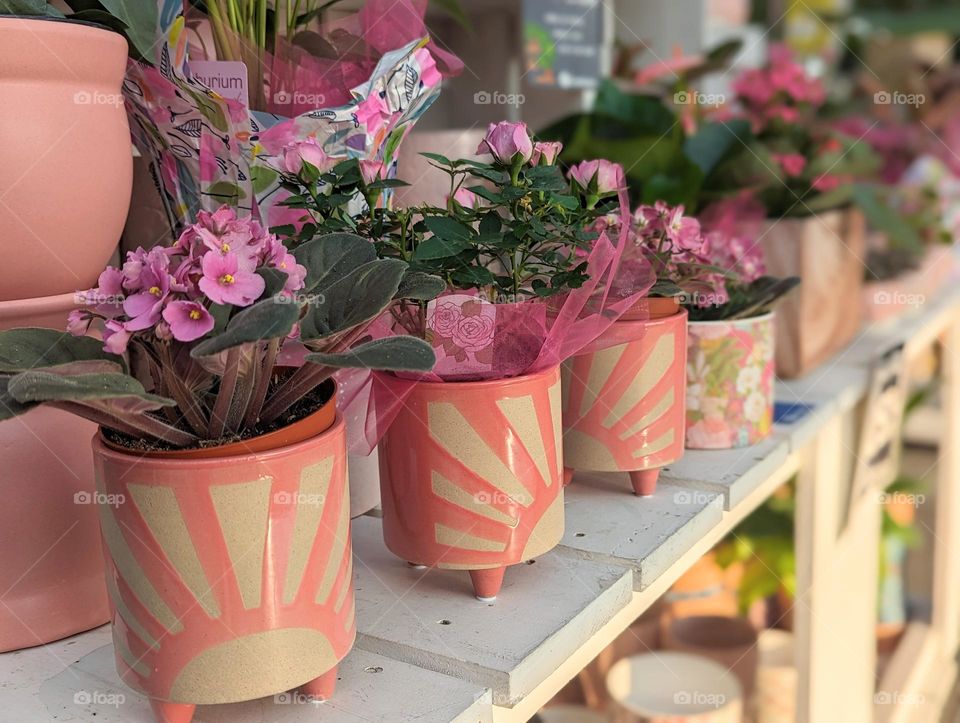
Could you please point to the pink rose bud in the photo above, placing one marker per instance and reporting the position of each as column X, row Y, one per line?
column 467, row 199
column 506, row 141
column 298, row 152
column 545, row 152
column 607, row 176
column 371, row 170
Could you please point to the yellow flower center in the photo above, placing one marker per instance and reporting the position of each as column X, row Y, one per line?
column 155, row 290
column 225, row 247
column 194, row 314
column 226, row 279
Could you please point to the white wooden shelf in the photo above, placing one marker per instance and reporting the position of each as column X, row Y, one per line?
column 428, row 651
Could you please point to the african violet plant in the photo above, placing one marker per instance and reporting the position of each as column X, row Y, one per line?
column 192, row 332
column 716, row 274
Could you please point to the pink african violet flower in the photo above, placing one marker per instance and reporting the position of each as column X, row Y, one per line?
column 371, row 170
column 188, row 320
column 609, row 176
column 116, row 336
column 545, row 153
column 465, row 197
column 224, row 282
column 506, row 141
column 78, row 322
column 297, row 153
column 145, row 306
column 791, row 163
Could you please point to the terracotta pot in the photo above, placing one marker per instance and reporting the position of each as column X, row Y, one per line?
column 732, row 642
column 672, row 687
column 300, row 431
column 230, row 579
column 643, row 636
column 827, row 252
column 470, row 476
column 704, row 589
column 652, row 307
column 364, row 482
column 66, row 164
column 51, row 567
column 776, row 695
column 909, row 291
column 730, row 376
column 624, row 401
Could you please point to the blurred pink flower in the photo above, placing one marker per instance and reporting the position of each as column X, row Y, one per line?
column 545, row 153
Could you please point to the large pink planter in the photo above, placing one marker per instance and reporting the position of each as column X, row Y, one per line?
column 66, row 165
column 730, row 375
column 623, row 408
column 230, row 579
column 51, row 567
column 470, row 476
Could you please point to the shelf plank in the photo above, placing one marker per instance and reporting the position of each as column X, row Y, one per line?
column 76, row 680
column 731, row 473
column 608, row 524
column 545, row 611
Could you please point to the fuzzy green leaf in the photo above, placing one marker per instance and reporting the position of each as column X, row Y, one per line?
column 271, row 318
column 398, row 353
column 44, row 386
column 329, row 257
column 420, row 286
column 35, row 348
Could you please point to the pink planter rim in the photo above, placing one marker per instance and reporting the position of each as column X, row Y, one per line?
column 499, row 383
column 38, row 305
column 746, row 320
column 200, row 464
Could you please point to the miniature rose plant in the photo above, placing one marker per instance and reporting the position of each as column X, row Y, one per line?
column 191, row 334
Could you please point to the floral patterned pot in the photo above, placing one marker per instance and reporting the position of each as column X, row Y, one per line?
column 730, row 375
column 470, row 476
column 230, row 579
column 623, row 408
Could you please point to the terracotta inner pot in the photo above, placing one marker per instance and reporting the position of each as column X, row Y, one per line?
column 300, row 431
column 652, row 307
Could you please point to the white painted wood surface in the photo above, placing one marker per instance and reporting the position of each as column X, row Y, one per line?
column 501, row 662
column 75, row 680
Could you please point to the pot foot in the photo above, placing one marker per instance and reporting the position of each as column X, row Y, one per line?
column 167, row 712
column 567, row 476
column 416, row 566
column 487, row 583
column 644, row 481
column 321, row 687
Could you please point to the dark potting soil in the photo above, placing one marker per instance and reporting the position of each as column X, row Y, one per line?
column 303, row 408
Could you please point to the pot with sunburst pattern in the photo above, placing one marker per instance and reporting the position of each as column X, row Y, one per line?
column 230, row 578
column 624, row 401
column 470, row 476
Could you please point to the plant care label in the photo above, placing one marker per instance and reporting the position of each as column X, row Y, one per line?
column 564, row 42
column 227, row 78
column 790, row 412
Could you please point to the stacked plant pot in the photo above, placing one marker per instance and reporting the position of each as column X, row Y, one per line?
column 827, row 252
column 624, row 397
column 65, row 178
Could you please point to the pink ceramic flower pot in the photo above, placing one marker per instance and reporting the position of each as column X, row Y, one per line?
column 230, row 579
column 623, row 408
column 66, row 165
column 51, row 568
column 470, row 476
column 730, row 374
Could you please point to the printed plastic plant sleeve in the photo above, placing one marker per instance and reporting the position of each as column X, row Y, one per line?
column 206, row 150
